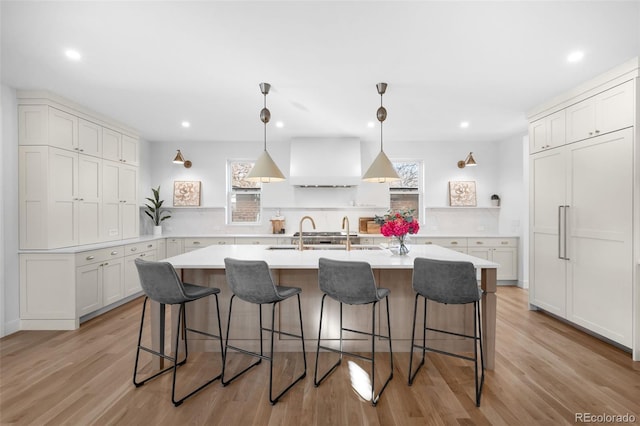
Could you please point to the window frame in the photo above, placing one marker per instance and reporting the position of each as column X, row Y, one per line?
column 418, row 190
column 231, row 192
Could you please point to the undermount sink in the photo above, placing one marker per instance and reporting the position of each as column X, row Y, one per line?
column 327, row 247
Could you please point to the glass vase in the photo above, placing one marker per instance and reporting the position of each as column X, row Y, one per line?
column 399, row 245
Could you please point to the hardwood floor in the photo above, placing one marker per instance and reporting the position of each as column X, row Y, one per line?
column 546, row 371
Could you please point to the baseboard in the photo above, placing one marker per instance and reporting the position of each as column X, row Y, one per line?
column 11, row 327
column 49, row 324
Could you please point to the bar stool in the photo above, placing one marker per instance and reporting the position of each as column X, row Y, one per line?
column 451, row 283
column 352, row 283
column 161, row 284
column 251, row 281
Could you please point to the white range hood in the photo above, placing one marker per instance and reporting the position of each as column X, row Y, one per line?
column 325, row 162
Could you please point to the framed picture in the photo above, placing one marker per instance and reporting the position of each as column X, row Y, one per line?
column 462, row 193
column 186, row 193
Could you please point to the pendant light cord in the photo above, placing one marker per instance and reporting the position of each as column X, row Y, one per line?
column 265, row 124
column 381, row 121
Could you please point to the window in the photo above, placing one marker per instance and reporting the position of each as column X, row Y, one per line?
column 405, row 193
column 243, row 200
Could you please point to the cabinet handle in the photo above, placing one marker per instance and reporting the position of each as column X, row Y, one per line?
column 76, row 149
column 597, row 131
column 566, row 211
column 222, row 242
column 479, row 242
column 428, row 242
column 504, row 242
column 454, row 243
column 150, row 246
column 82, row 150
column 134, row 249
column 105, row 263
column 590, row 133
column 195, row 243
column 113, row 253
column 143, row 254
column 90, row 257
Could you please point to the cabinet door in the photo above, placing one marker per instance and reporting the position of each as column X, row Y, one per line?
column 111, row 217
column 112, row 281
column 63, row 195
column 508, row 260
column 128, row 192
column 175, row 246
column 88, row 288
column 131, row 277
column 129, row 150
column 111, row 144
column 33, row 125
column 547, row 271
column 537, row 135
column 89, row 199
column 32, row 182
column 581, row 120
column 614, row 108
column 600, row 222
column 63, row 129
column 89, row 138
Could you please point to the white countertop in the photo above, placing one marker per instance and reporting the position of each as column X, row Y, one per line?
column 212, row 257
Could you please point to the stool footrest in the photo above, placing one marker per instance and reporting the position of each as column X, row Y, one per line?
column 364, row 358
column 450, row 333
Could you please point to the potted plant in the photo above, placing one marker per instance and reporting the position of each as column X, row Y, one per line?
column 155, row 211
column 495, row 200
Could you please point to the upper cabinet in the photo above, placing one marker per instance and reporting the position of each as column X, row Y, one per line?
column 73, row 167
column 547, row 132
column 605, row 112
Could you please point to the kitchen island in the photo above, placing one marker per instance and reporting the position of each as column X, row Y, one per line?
column 292, row 267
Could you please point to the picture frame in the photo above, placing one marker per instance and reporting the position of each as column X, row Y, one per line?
column 186, row 193
column 462, row 193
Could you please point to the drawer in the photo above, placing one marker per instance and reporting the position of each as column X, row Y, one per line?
column 194, row 243
column 444, row 242
column 140, row 247
column 100, row 255
column 493, row 242
column 256, row 240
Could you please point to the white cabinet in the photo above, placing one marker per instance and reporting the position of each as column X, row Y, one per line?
column 119, row 147
column 605, row 112
column 89, row 138
column 59, row 197
column 547, row 132
column 119, row 203
column 99, row 279
column 581, row 234
column 500, row 250
column 146, row 251
column 255, row 240
column 175, row 246
column 62, row 178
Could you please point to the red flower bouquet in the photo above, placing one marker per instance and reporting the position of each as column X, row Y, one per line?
column 398, row 225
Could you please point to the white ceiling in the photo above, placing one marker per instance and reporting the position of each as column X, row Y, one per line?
column 152, row 65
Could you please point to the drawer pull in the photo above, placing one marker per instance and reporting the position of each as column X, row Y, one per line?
column 113, row 253
column 105, row 263
column 150, row 246
column 143, row 254
column 134, row 248
column 504, row 242
column 454, row 243
column 479, row 242
column 90, row 257
column 428, row 242
column 222, row 242
column 195, row 243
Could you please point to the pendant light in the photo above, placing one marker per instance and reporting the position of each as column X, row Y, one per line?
column 381, row 170
column 265, row 169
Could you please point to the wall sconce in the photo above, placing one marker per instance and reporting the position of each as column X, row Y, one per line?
column 469, row 161
column 180, row 160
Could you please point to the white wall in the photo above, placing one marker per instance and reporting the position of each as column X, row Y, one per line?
column 9, row 284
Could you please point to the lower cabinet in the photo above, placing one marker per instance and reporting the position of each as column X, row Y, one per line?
column 146, row 251
column 500, row 250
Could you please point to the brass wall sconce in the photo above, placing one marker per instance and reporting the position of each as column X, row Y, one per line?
column 469, row 161
column 180, row 160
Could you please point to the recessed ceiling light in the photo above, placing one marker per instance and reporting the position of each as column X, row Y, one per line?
column 464, row 124
column 575, row 56
column 186, row 124
column 279, row 124
column 73, row 55
column 371, row 124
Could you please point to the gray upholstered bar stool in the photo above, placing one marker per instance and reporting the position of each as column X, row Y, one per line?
column 451, row 283
column 161, row 284
column 251, row 281
column 352, row 283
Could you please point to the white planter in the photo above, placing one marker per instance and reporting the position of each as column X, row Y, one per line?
column 157, row 230
column 495, row 203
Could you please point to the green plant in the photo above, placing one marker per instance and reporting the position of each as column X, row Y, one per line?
column 155, row 211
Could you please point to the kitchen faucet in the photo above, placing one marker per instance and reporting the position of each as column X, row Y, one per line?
column 300, row 243
column 346, row 219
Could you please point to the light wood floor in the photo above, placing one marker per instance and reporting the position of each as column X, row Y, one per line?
column 545, row 372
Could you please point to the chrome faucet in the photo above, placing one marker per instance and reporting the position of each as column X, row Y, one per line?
column 300, row 244
column 346, row 219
